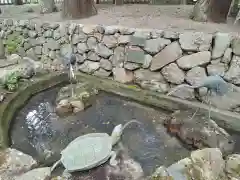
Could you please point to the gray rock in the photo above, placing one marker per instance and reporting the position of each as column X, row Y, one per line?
column 48, row 34
column 170, row 35
column 122, row 75
column 102, row 73
column 123, row 39
column 13, row 58
column 233, row 73
column 173, row 74
column 36, row 174
column 37, row 41
column 195, row 75
column 109, row 41
column 53, row 45
column 15, row 163
column 147, row 61
column 221, row 43
column 195, row 41
column 56, row 34
column 193, row 60
column 32, row 34
column 82, row 48
column 31, row 53
column 93, row 56
column 142, row 33
column 131, row 66
column 79, row 38
column 153, row 81
column 92, row 43
column 103, row 51
column 216, row 69
column 80, row 58
column 38, row 50
column 89, row 67
column 98, row 36
column 227, row 56
column 66, row 50
column 110, row 30
column 157, row 34
column 105, row 64
column 169, row 54
column 52, row 54
column 153, row 46
column 236, row 46
column 118, row 57
column 89, row 29
column 182, row 91
column 232, row 166
column 126, row 31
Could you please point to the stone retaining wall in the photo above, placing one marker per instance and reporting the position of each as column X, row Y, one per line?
column 153, row 59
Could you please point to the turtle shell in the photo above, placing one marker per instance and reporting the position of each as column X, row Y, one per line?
column 86, row 152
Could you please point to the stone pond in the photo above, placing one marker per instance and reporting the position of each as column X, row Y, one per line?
column 132, row 70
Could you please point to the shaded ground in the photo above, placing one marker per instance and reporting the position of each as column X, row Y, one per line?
column 168, row 17
column 148, row 144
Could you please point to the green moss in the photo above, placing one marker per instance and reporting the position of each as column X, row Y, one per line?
column 13, row 42
column 11, row 82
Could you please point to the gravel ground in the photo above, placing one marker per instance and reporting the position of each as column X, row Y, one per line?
column 165, row 17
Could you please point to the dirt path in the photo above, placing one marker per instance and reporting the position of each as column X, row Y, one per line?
column 172, row 17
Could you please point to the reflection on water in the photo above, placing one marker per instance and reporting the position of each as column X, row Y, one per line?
column 43, row 133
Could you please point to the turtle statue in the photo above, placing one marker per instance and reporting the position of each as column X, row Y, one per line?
column 90, row 150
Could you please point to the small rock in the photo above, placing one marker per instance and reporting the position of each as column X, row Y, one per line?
column 233, row 166
column 216, row 69
column 173, row 74
column 227, row 56
column 233, row 73
column 195, row 41
column 110, row 41
column 36, row 174
column 123, row 39
column 77, row 105
column 126, row 31
column 131, row 66
column 221, row 43
column 80, row 58
column 92, row 43
column 53, row 45
column 142, row 33
column 169, row 54
column 106, row 64
column 89, row 29
column 170, row 35
column 195, row 75
column 102, row 73
column 103, row 51
column 14, row 162
column 82, row 48
column 89, row 66
column 110, row 30
column 93, row 56
column 157, row 34
column 32, row 34
column 122, row 75
column 79, row 38
column 64, row 107
column 14, row 58
column 153, row 46
column 193, row 60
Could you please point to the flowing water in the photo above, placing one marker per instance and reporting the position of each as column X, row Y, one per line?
column 37, row 130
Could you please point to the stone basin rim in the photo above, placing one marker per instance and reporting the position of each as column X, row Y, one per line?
column 17, row 100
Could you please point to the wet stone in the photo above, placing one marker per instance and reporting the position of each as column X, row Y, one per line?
column 135, row 55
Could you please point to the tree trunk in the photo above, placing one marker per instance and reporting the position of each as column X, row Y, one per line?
column 47, row 6
column 75, row 9
column 18, row 2
column 211, row 10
